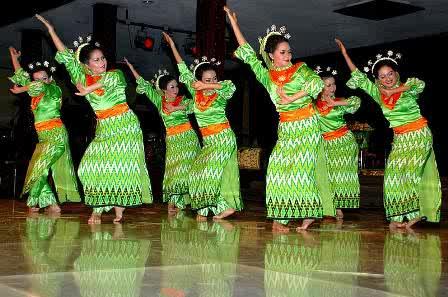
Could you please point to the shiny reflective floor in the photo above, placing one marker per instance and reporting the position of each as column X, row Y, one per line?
column 151, row 254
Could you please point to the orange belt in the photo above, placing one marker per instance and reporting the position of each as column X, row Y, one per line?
column 335, row 134
column 214, row 129
column 413, row 126
column 178, row 129
column 48, row 125
column 297, row 115
column 113, row 111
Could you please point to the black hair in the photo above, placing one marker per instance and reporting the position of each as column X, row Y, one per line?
column 382, row 63
column 164, row 80
column 38, row 69
column 202, row 68
column 272, row 43
column 86, row 51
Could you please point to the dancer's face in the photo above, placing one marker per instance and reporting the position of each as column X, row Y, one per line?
column 97, row 62
column 282, row 55
column 209, row 77
column 172, row 89
column 329, row 87
column 42, row 76
column 387, row 76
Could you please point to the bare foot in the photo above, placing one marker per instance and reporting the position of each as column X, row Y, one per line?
column 54, row 208
column 200, row 218
column 118, row 214
column 95, row 218
column 280, row 228
column 224, row 214
column 395, row 225
column 339, row 214
column 305, row 224
column 33, row 209
column 409, row 224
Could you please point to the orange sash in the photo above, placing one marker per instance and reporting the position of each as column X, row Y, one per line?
column 113, row 111
column 297, row 115
column 214, row 129
column 336, row 134
column 412, row 126
column 48, row 125
column 170, row 131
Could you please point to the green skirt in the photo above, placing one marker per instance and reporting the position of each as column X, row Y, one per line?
column 214, row 176
column 181, row 150
column 52, row 152
column 342, row 164
column 113, row 170
column 297, row 183
column 411, row 180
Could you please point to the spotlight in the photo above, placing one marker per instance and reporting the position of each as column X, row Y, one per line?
column 144, row 41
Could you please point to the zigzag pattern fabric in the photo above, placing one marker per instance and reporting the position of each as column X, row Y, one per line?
column 214, row 175
column 113, row 170
column 291, row 189
column 403, row 174
column 181, row 150
column 52, row 152
column 342, row 164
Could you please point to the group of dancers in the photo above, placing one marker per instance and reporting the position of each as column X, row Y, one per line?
column 312, row 170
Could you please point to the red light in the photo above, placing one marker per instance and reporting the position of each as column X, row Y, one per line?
column 148, row 43
column 194, row 51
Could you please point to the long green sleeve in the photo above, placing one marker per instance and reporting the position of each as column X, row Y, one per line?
column 73, row 66
column 186, row 77
column 145, row 87
column 21, row 77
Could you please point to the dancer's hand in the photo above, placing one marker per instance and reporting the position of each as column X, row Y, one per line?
column 168, row 39
column 125, row 60
column 171, row 108
column 284, row 99
column 82, row 91
column 45, row 22
column 231, row 14
column 199, row 85
column 16, row 89
column 386, row 92
column 15, row 54
column 341, row 46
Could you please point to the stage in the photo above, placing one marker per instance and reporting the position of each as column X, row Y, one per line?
column 151, row 254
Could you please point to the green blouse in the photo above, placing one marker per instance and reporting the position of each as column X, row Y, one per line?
column 304, row 79
column 215, row 113
column 406, row 109
column 46, row 107
column 333, row 119
column 114, row 82
column 169, row 119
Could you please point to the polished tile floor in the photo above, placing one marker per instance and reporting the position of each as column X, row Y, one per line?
column 151, row 254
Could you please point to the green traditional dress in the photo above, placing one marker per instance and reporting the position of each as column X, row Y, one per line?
column 411, row 180
column 297, row 179
column 108, row 266
column 182, row 144
column 52, row 151
column 413, row 264
column 113, row 170
column 341, row 150
column 214, row 175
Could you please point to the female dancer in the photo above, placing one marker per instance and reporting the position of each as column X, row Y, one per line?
column 52, row 151
column 182, row 144
column 291, row 188
column 412, row 189
column 113, row 170
column 214, row 175
column 341, row 148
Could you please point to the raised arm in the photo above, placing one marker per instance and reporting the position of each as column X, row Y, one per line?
column 60, row 46
column 15, row 55
column 131, row 67
column 170, row 42
column 235, row 27
column 347, row 58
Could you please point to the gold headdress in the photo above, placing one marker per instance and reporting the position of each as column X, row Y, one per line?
column 262, row 40
column 325, row 71
column 157, row 76
column 379, row 57
column 80, row 43
column 204, row 60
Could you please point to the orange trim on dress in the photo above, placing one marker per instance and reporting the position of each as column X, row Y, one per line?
column 297, row 115
column 412, row 126
column 204, row 101
column 174, row 103
column 48, row 125
column 91, row 79
column 336, row 133
column 394, row 97
column 282, row 77
column 113, row 111
column 173, row 130
column 214, row 129
column 35, row 101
